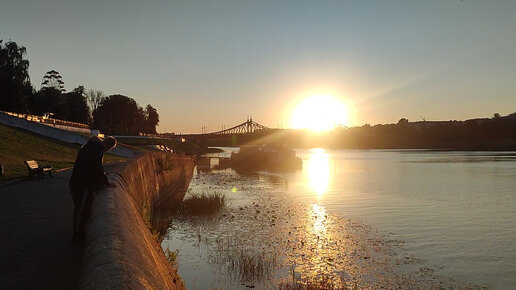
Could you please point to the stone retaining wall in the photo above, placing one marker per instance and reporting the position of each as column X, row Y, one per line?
column 120, row 252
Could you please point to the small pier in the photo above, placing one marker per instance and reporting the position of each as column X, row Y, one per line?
column 214, row 160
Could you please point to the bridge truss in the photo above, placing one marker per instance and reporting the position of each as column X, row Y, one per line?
column 248, row 126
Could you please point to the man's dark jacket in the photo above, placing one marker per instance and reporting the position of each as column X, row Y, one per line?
column 88, row 172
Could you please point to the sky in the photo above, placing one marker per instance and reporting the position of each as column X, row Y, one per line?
column 213, row 63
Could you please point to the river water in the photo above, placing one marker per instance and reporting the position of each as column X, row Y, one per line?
column 356, row 218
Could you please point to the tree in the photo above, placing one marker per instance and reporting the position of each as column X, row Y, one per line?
column 119, row 115
column 15, row 87
column 496, row 116
column 71, row 106
column 77, row 106
column 403, row 121
column 152, row 119
column 94, row 98
column 49, row 100
column 79, row 90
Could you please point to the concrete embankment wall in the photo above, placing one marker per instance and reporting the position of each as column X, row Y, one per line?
column 120, row 252
column 58, row 134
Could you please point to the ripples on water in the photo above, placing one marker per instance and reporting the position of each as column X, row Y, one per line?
column 441, row 218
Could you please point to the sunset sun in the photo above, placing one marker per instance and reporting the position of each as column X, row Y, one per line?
column 319, row 113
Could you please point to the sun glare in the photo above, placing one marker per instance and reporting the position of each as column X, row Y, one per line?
column 319, row 113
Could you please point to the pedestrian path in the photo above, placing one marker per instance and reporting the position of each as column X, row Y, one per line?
column 36, row 229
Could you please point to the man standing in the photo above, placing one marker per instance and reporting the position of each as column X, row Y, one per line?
column 88, row 177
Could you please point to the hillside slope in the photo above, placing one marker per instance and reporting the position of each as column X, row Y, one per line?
column 18, row 145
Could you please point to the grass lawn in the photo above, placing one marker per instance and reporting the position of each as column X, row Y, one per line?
column 17, row 145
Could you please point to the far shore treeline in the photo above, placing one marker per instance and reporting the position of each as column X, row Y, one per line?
column 115, row 114
column 495, row 133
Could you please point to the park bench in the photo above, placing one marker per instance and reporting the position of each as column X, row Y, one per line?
column 35, row 169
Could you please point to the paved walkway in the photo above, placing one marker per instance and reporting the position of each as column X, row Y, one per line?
column 36, row 230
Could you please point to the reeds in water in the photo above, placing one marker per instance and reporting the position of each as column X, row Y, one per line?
column 242, row 263
column 203, row 203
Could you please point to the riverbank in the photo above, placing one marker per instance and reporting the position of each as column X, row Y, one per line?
column 121, row 250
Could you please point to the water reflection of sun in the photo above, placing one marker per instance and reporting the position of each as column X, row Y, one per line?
column 318, row 216
column 319, row 258
column 318, row 171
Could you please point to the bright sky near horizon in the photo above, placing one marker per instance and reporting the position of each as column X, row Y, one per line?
column 213, row 63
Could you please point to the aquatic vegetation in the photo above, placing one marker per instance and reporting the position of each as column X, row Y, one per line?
column 203, row 203
column 172, row 256
column 243, row 263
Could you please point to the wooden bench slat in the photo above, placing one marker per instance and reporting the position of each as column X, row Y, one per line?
column 34, row 168
column 32, row 164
